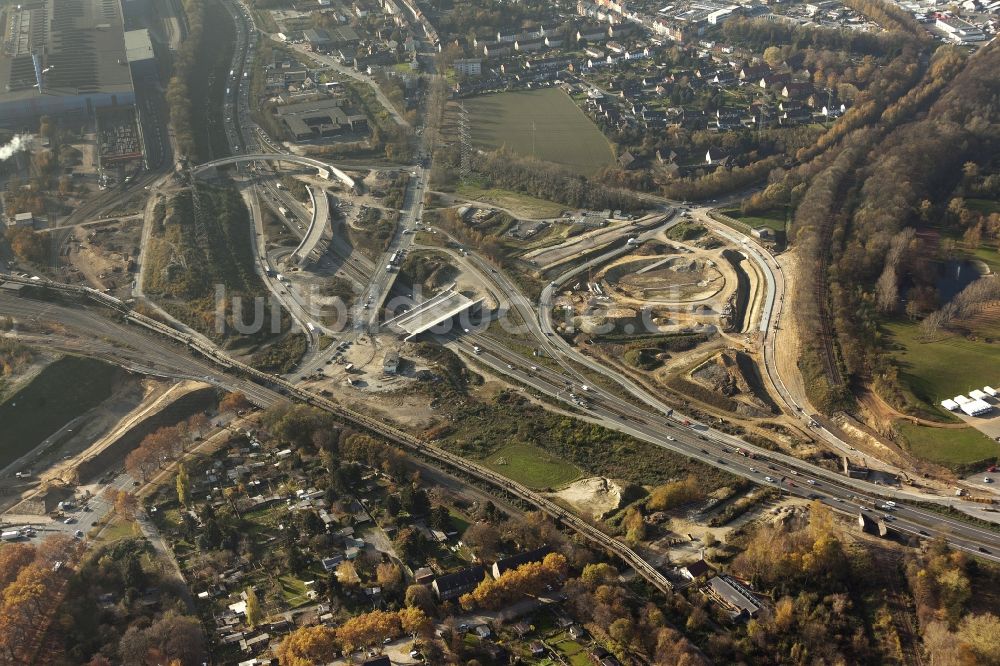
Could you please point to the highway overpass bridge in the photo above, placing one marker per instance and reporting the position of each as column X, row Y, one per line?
column 439, row 309
column 320, row 232
column 327, row 171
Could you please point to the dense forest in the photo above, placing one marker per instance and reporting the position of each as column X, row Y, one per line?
column 861, row 197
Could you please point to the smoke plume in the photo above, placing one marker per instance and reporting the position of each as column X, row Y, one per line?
column 17, row 144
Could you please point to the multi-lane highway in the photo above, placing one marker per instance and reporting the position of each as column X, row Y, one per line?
column 789, row 475
column 370, row 307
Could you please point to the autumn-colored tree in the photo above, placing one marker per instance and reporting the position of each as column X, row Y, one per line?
column 25, row 600
column 483, row 539
column 674, row 494
column 389, row 576
column 234, row 402
column 308, row 646
column 369, row 629
column 347, row 574
column 26, row 244
column 13, row 558
column 516, row 583
column 183, row 486
column 601, row 573
column 420, row 596
column 198, row 424
column 125, row 504
column 634, row 525
column 415, row 622
column 254, row 613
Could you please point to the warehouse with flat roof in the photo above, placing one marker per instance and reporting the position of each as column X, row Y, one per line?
column 61, row 57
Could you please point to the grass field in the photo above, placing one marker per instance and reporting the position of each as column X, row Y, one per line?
column 532, row 466
column 546, row 124
column 943, row 368
column 520, row 205
column 773, row 219
column 987, row 251
column 60, row 393
column 947, row 446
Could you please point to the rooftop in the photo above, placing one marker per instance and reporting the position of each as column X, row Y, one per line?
column 513, row 562
column 80, row 42
column 138, row 45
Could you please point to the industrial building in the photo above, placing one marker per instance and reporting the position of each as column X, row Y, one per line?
column 62, row 57
column 958, row 30
column 140, row 54
column 319, row 118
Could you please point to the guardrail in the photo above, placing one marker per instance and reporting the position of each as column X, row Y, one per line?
column 405, row 440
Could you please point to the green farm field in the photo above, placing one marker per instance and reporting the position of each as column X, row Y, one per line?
column 945, row 367
column 545, row 123
column 532, row 466
column 951, row 447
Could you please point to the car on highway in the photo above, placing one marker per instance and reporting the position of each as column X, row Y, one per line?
column 672, row 439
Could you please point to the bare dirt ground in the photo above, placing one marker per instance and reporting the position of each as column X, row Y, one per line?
column 38, row 363
column 595, row 496
column 787, row 337
column 101, row 254
column 131, row 397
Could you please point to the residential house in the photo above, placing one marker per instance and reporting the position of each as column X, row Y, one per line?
column 508, row 563
column 332, row 562
column 423, row 576
column 797, row 90
column 592, row 33
column 715, row 156
column 834, row 110
column 696, row 570
column 774, row 80
column 454, row 585
column 468, row 66
column 754, row 72
column 529, row 45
